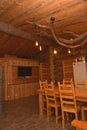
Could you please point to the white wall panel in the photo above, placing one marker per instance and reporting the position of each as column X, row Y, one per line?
column 80, row 71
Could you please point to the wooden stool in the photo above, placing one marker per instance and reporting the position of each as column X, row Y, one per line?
column 83, row 109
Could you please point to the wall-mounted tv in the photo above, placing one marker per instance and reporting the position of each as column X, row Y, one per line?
column 24, row 71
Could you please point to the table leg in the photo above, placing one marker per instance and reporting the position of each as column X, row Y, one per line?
column 41, row 103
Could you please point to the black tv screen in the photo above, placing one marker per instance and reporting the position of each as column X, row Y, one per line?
column 24, row 71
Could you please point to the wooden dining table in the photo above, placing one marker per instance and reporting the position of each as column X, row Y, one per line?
column 80, row 94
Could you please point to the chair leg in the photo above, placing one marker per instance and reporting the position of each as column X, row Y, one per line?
column 76, row 115
column 82, row 112
column 56, row 113
column 67, row 116
column 63, row 120
column 48, row 113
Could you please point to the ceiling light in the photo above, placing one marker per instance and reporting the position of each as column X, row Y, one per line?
column 69, row 51
column 55, row 51
column 40, row 48
column 36, row 43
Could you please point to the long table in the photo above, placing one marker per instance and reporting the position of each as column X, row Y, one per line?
column 80, row 93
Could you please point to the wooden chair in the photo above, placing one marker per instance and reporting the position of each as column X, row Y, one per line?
column 43, row 85
column 52, row 103
column 68, row 102
column 79, row 125
column 50, row 85
column 81, row 83
column 67, row 81
column 83, row 110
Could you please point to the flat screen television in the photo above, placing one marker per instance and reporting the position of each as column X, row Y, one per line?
column 24, row 71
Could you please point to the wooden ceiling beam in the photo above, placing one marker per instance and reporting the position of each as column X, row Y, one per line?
column 7, row 28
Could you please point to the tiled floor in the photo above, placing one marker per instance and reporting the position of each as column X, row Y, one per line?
column 23, row 114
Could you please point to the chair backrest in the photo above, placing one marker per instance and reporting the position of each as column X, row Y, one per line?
column 67, row 81
column 67, row 97
column 43, row 84
column 50, row 85
column 81, row 83
column 49, row 91
column 50, row 96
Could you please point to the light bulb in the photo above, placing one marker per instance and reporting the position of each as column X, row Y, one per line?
column 36, row 44
column 40, row 48
column 55, row 51
column 69, row 51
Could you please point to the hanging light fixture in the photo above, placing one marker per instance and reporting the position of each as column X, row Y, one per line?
column 55, row 51
column 40, row 48
column 36, row 43
column 69, row 51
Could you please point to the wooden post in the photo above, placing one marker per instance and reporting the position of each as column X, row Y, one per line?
column 51, row 59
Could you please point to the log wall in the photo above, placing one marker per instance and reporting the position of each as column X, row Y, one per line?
column 58, row 62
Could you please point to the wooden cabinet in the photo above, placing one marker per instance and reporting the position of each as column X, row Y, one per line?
column 68, row 69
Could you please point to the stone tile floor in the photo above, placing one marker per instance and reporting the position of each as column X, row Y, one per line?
column 23, row 114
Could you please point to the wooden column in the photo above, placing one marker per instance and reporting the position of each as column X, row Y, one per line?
column 51, row 61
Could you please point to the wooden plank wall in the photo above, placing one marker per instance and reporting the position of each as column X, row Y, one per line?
column 44, row 71
column 15, row 87
column 43, row 58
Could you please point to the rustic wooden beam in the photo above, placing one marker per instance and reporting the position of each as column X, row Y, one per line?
column 7, row 28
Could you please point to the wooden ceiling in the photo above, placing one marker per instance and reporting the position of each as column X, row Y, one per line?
column 19, row 20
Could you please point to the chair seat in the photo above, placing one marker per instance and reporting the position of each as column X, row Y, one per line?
column 72, row 109
column 81, row 125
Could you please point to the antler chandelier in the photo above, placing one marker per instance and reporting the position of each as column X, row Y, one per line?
column 78, row 41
